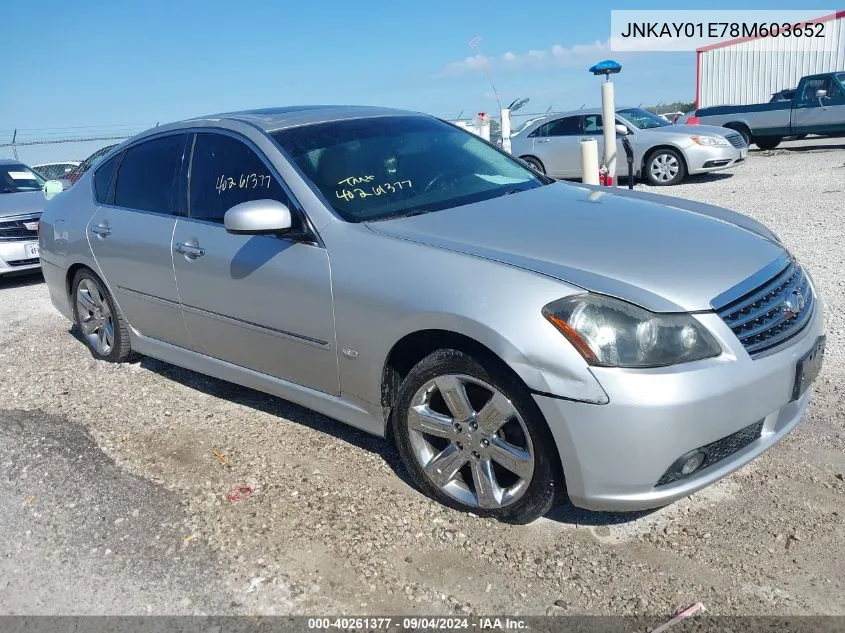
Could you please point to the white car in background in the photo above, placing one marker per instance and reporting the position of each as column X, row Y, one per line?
column 56, row 171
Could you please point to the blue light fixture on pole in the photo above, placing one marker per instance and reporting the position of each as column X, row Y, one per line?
column 607, row 68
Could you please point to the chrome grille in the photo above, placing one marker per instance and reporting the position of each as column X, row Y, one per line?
column 14, row 230
column 771, row 313
column 735, row 140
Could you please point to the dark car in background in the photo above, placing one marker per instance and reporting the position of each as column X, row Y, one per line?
column 74, row 175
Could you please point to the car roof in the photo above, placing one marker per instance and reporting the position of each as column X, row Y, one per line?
column 10, row 161
column 273, row 119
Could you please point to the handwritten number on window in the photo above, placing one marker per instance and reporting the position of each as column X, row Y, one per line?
column 244, row 181
column 361, row 192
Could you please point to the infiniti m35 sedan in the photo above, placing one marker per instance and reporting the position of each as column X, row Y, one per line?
column 521, row 340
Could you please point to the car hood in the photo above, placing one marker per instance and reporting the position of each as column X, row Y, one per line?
column 662, row 253
column 21, row 203
column 692, row 130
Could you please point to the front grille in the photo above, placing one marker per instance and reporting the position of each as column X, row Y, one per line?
column 16, row 231
column 23, row 262
column 718, row 450
column 735, row 140
column 771, row 313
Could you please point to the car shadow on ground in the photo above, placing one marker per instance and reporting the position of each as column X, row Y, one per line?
column 21, row 280
column 278, row 407
column 806, row 146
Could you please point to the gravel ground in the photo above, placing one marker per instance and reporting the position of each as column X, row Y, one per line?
column 115, row 500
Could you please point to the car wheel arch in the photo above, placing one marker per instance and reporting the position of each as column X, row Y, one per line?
column 663, row 146
column 412, row 347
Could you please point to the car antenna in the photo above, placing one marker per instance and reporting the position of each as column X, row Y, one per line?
column 458, row 118
column 582, row 106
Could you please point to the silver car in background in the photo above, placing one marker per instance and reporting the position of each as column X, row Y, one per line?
column 663, row 153
column 21, row 203
column 519, row 339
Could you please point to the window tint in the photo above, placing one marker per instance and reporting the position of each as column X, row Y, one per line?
column 561, row 127
column 592, row 124
column 822, row 83
column 102, row 180
column 149, row 174
column 225, row 172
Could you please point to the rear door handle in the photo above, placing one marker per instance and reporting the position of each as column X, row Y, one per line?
column 190, row 250
column 102, row 230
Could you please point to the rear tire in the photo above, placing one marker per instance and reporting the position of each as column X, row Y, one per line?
column 99, row 319
column 767, row 142
column 664, row 167
column 535, row 164
column 472, row 438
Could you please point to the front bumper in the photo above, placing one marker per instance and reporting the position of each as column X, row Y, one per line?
column 613, row 455
column 701, row 159
column 15, row 259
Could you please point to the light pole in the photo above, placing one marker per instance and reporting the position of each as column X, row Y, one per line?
column 608, row 108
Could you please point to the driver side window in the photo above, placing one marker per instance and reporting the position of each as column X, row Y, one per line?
column 226, row 172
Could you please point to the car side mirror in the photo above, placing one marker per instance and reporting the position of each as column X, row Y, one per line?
column 622, row 129
column 820, row 94
column 258, row 217
column 52, row 188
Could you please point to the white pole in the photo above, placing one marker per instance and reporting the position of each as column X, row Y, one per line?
column 506, row 130
column 590, row 162
column 485, row 128
column 608, row 110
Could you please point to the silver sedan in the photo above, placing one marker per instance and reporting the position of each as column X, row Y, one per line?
column 521, row 340
column 663, row 153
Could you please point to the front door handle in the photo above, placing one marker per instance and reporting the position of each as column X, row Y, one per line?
column 101, row 230
column 189, row 250
column 542, row 140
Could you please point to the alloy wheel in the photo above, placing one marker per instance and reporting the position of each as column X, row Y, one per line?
column 95, row 317
column 470, row 441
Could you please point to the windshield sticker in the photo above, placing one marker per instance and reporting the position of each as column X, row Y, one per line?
column 373, row 190
column 21, row 175
column 244, row 181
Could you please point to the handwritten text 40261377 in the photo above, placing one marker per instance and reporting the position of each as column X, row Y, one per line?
column 363, row 187
column 244, row 181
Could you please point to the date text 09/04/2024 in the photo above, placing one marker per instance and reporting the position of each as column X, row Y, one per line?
column 418, row 622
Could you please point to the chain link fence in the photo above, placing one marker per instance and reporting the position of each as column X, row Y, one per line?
column 40, row 148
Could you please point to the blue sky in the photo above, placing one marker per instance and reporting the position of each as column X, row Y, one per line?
column 99, row 63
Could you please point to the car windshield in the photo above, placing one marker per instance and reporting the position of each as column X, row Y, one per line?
column 386, row 167
column 642, row 119
column 16, row 177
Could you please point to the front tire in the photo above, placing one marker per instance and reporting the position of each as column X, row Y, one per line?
column 99, row 320
column 665, row 167
column 767, row 142
column 473, row 439
column 535, row 164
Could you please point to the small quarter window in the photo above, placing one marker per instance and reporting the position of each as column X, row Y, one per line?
column 103, row 178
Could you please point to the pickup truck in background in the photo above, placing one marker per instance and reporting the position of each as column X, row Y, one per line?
column 816, row 107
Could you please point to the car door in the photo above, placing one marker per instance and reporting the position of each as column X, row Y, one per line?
column 594, row 128
column 131, row 231
column 259, row 301
column 823, row 115
column 556, row 144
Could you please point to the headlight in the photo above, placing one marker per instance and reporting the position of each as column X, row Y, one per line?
column 709, row 141
column 613, row 333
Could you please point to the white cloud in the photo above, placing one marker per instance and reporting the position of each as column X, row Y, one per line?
column 555, row 57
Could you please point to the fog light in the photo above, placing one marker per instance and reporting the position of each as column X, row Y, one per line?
column 692, row 463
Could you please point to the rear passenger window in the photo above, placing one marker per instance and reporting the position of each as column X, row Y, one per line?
column 102, row 180
column 225, row 172
column 149, row 174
